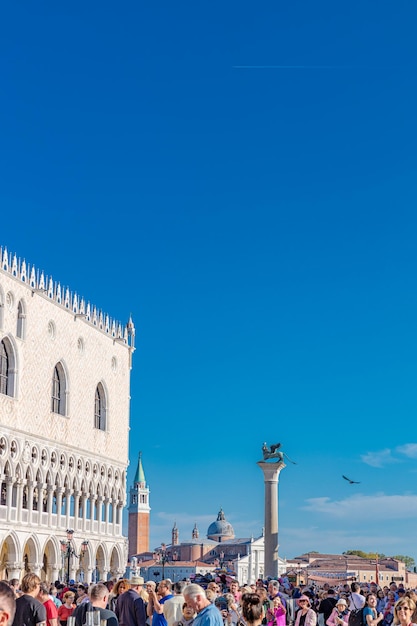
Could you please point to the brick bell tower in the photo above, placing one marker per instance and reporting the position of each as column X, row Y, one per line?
column 139, row 513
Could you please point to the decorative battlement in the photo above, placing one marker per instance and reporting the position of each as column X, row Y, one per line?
column 71, row 301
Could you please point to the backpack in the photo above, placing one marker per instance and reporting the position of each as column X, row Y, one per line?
column 356, row 617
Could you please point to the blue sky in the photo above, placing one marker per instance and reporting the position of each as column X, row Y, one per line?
column 259, row 223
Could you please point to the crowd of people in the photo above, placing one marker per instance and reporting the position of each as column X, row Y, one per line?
column 222, row 602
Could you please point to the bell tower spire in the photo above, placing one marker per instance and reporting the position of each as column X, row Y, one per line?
column 139, row 512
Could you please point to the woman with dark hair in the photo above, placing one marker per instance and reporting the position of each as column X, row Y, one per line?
column 252, row 609
column 370, row 614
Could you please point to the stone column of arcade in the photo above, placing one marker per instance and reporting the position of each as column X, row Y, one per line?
column 271, row 471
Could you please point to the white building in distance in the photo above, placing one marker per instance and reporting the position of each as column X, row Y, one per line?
column 64, row 425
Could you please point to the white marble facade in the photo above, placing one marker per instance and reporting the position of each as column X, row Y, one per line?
column 64, row 427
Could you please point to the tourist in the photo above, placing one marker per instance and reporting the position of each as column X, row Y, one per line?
column 305, row 615
column 266, row 603
column 380, row 601
column 276, row 615
column 15, row 585
column 403, row 611
column 252, row 609
column 173, row 606
column 327, row 604
column 188, row 616
column 339, row 615
column 155, row 608
column 356, row 599
column 273, row 591
column 120, row 587
column 388, row 610
column 49, row 604
column 7, row 603
column 67, row 608
column 99, row 596
column 29, row 611
column 370, row 615
column 130, row 608
column 207, row 613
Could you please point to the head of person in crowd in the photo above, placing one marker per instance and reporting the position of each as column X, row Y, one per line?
column 188, row 614
column 211, row 595
column 164, row 588
column 150, row 585
column 195, row 597
column 304, row 602
column 69, row 599
column 252, row 609
column 136, row 583
column 99, row 595
column 400, row 592
column 261, row 592
column 273, row 588
column 15, row 585
column 30, row 584
column 7, row 604
column 213, row 586
column 121, row 586
column 43, row 593
column 341, row 605
column 404, row 609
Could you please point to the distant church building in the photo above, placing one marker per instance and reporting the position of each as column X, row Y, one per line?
column 220, row 549
column 64, row 422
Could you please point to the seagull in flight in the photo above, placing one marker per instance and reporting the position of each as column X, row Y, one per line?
column 350, row 481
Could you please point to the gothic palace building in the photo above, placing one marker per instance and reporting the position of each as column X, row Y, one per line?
column 64, row 424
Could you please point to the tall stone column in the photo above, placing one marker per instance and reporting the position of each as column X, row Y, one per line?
column 271, row 473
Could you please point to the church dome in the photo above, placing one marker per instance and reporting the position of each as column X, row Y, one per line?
column 220, row 530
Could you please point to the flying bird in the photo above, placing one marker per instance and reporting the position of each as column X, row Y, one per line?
column 352, row 482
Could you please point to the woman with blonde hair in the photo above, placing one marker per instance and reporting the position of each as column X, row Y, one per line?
column 404, row 609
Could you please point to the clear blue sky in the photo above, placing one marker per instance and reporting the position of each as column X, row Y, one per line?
column 258, row 222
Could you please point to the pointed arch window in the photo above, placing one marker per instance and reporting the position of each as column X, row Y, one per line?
column 4, row 369
column 100, row 408
column 59, row 391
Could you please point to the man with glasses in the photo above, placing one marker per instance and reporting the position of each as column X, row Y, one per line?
column 7, row 604
column 29, row 611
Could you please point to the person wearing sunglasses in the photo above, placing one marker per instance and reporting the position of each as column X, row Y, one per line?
column 403, row 611
column 305, row 615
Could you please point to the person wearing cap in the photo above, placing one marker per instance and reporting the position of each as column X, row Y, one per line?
column 305, row 615
column 340, row 614
column 130, row 608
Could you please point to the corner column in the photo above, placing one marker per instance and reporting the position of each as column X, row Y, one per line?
column 271, row 473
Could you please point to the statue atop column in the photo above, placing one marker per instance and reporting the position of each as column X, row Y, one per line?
column 275, row 454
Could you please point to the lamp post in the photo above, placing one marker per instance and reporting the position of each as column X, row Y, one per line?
column 68, row 551
column 161, row 556
column 221, row 555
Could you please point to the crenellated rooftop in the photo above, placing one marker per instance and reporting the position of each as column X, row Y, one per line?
column 71, row 301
